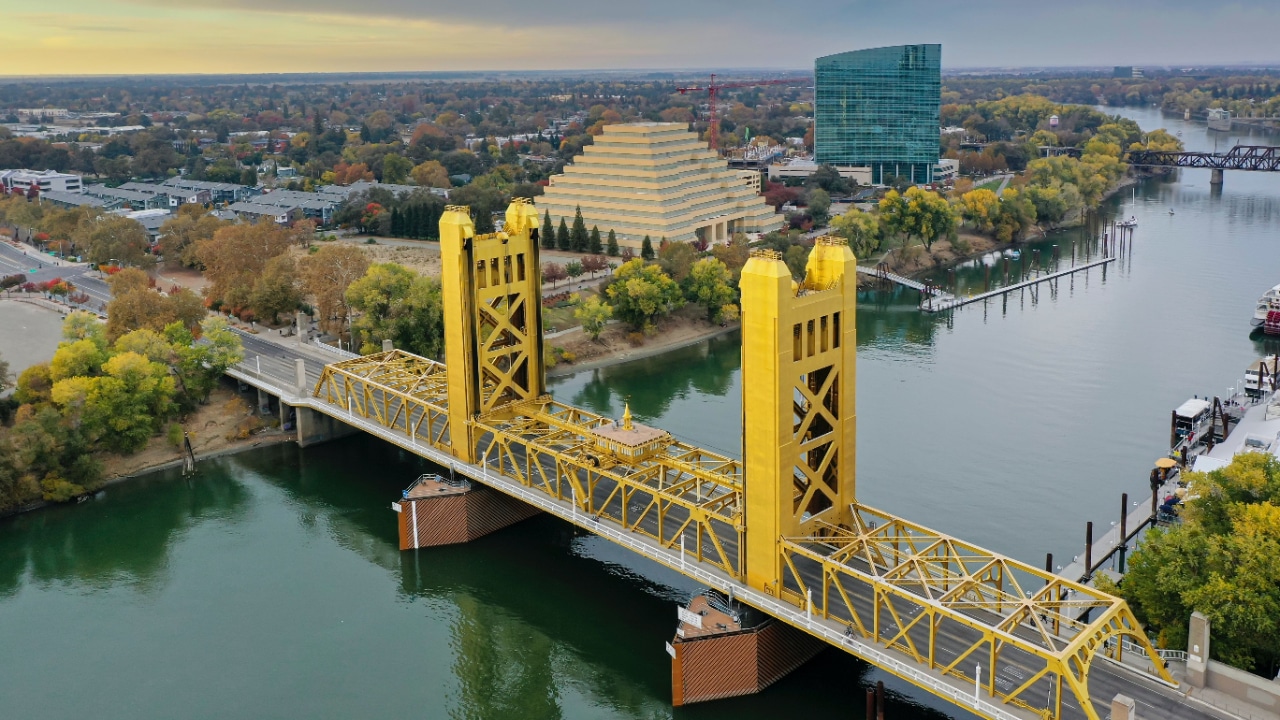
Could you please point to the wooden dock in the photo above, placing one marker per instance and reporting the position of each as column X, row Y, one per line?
column 935, row 300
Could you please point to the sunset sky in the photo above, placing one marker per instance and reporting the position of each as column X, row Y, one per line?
column 247, row 36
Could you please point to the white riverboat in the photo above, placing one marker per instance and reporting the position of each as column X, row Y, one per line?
column 1269, row 302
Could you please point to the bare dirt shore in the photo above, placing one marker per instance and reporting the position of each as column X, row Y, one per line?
column 214, row 428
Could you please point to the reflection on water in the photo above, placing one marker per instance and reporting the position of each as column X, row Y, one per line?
column 273, row 577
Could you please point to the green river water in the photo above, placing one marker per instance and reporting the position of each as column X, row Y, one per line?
column 270, row 585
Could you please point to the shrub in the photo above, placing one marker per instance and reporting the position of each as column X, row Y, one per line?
column 174, row 434
column 635, row 338
column 55, row 489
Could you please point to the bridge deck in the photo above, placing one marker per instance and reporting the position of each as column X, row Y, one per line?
column 880, row 595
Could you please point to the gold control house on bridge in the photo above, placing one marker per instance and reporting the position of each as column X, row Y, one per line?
column 781, row 531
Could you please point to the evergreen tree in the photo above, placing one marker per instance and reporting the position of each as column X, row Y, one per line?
column 646, row 249
column 578, row 235
column 593, row 243
column 612, row 247
column 397, row 223
column 548, row 232
column 562, row 236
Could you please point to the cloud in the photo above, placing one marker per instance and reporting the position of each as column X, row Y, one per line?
column 350, row 35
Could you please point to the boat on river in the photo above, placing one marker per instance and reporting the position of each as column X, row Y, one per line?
column 1268, row 303
column 1132, row 222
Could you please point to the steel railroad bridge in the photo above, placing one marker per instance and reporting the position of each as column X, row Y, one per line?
column 781, row 529
column 1260, row 158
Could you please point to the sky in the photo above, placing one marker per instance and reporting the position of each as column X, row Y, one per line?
column 246, row 36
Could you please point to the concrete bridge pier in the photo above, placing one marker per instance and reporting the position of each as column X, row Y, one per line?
column 1215, row 177
column 723, row 649
column 315, row 427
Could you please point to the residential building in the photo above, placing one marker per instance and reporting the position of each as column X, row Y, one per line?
column 312, row 206
column 253, row 212
column 218, row 191
column 45, row 180
column 132, row 199
column 174, row 196
column 657, row 180
column 879, row 109
column 75, row 199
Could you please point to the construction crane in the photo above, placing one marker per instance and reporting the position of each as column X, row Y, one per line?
column 712, row 90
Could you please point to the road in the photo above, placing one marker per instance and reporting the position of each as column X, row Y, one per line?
column 40, row 268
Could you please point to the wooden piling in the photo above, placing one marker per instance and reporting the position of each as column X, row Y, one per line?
column 1088, row 549
column 1124, row 529
column 1048, row 566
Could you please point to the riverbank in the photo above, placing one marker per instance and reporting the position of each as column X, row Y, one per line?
column 682, row 329
column 223, row 426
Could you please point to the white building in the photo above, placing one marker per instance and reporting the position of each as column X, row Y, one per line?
column 45, row 180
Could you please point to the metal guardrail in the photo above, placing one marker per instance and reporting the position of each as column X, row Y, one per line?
column 331, row 349
column 1166, row 655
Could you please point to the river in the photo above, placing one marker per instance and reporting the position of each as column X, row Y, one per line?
column 270, row 586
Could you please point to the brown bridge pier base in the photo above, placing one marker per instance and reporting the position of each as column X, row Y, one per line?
column 718, row 654
column 438, row 511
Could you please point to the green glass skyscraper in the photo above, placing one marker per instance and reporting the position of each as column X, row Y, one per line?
column 878, row 108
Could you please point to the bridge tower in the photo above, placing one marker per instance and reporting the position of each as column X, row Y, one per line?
column 798, row 379
column 492, row 297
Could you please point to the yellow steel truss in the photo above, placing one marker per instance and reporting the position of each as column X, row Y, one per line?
column 396, row 389
column 942, row 602
column 953, row 606
column 681, row 493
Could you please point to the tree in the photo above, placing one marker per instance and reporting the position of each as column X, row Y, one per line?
column 1016, row 215
column 796, row 258
column 73, row 359
column 198, row 366
column 594, row 246
column 646, row 249
column 594, row 315
column 574, row 269
column 980, row 208
column 612, row 246
column 676, row 258
column 819, row 205
column 553, row 273
column 249, row 177
column 1222, row 561
column 430, row 174
column 641, row 292
column 114, row 238
column 276, row 290
column 399, row 305
column 548, row 234
column 562, row 236
column 594, row 264
column 708, row 285
column 578, row 238
column 861, row 229
column 181, row 236
column 396, row 169
column 326, row 275
column 146, row 308
column 4, row 373
column 235, row 257
column 918, row 213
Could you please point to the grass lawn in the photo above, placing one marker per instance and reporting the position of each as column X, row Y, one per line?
column 992, row 185
column 560, row 318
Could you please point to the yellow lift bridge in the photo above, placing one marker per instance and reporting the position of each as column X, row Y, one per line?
column 785, row 520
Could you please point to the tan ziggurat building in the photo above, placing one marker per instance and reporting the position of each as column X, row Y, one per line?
column 660, row 180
